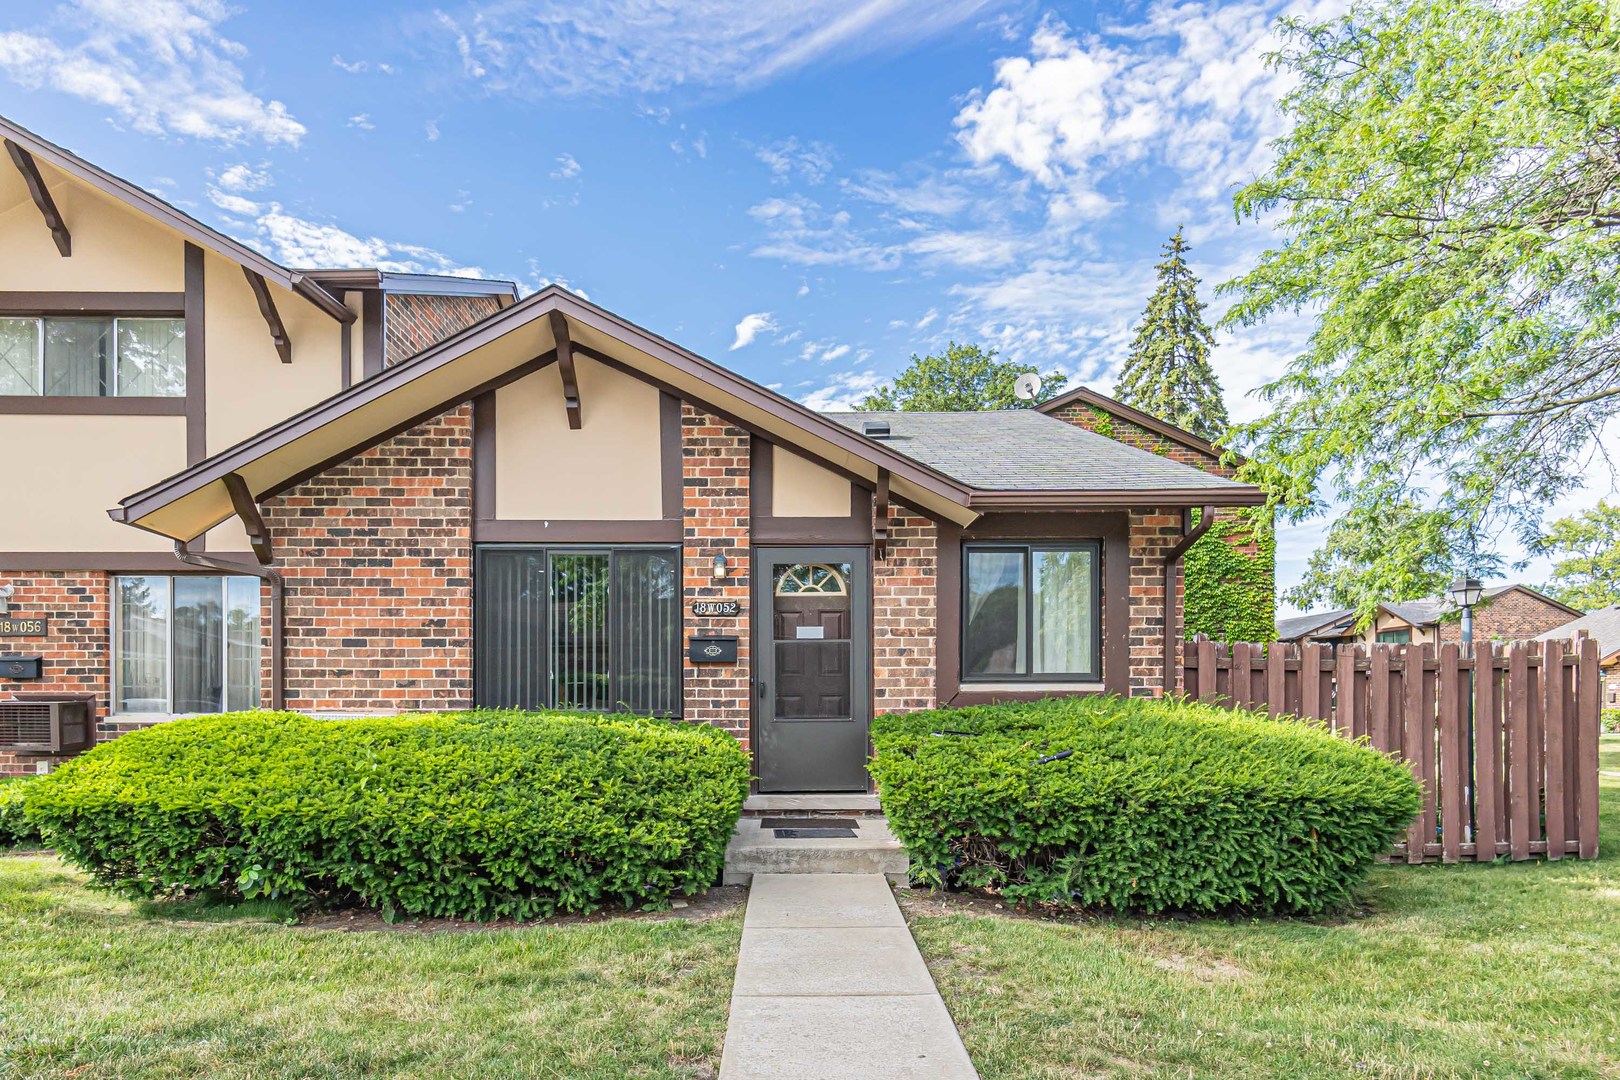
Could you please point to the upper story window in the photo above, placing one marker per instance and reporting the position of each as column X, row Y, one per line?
column 96, row 356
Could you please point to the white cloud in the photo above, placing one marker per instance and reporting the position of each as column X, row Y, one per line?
column 296, row 241
column 927, row 320
column 243, row 177
column 789, row 159
column 612, row 47
column 353, row 68
column 363, row 122
column 804, row 289
column 432, row 130
column 750, row 326
column 842, row 392
column 567, row 168
column 160, row 65
column 232, row 204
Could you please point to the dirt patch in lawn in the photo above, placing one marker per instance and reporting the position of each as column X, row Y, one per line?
column 713, row 903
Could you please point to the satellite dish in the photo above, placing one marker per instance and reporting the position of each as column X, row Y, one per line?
column 1027, row 386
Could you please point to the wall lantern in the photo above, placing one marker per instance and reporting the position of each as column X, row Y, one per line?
column 1466, row 591
column 722, row 568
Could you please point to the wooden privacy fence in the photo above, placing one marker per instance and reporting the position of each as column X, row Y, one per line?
column 1529, row 722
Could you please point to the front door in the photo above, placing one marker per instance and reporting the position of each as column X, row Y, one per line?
column 813, row 668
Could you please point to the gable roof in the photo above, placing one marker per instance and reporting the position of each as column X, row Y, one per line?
column 1603, row 625
column 368, row 277
column 1026, row 450
column 183, row 223
column 1086, row 395
column 519, row 340
column 1307, row 625
column 1431, row 609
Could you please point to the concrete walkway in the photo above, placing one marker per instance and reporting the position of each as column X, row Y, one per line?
column 830, row 986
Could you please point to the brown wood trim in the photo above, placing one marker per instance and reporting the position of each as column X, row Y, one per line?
column 667, row 531
column 1113, row 529
column 880, row 516
column 670, row 457
column 528, row 367
column 93, row 303
column 96, row 406
column 196, row 311
column 117, row 562
column 766, row 528
column 272, row 317
column 252, row 520
column 761, row 481
column 373, row 332
column 345, row 347
column 42, row 197
column 1229, row 494
column 565, row 367
column 483, row 457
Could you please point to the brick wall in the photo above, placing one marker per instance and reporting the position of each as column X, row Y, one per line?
column 714, row 486
column 1080, row 414
column 1512, row 616
column 77, row 649
column 905, row 615
column 1152, row 533
column 377, row 556
column 414, row 322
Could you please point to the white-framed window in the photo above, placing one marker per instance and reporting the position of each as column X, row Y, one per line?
column 1031, row 612
column 185, row 644
column 92, row 356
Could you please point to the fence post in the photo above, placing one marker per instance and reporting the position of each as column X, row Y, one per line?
column 1589, row 723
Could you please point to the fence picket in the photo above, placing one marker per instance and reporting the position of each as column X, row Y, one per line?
column 1346, row 692
column 1242, row 696
column 1552, row 711
column 1377, row 721
column 1311, row 702
column 1518, row 727
column 1453, row 767
column 1277, row 678
column 1417, row 742
column 1487, row 784
column 1587, row 680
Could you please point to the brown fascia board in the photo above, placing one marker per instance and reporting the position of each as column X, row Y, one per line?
column 143, row 502
column 1004, row 500
column 181, row 222
column 1135, row 416
column 413, row 284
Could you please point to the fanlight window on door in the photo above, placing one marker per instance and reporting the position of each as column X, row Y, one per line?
column 811, row 579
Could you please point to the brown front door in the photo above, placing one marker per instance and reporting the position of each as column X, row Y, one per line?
column 813, row 679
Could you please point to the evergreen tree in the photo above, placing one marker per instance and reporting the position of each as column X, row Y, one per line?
column 1168, row 374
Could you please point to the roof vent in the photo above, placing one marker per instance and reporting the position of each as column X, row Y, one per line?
column 875, row 429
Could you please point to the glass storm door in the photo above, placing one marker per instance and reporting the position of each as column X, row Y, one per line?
column 813, row 678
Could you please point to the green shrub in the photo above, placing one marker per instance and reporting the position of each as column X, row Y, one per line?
column 1163, row 805
column 15, row 829
column 1611, row 720
column 472, row 815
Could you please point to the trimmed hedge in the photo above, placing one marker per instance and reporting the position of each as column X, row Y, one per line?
column 15, row 829
column 1163, row 805
column 470, row 815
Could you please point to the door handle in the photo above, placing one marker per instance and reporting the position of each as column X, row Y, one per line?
column 761, row 684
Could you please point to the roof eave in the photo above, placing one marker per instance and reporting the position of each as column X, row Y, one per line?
column 1134, row 415
column 1004, row 500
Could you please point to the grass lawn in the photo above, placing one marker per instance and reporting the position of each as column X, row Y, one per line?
column 93, row 987
column 1453, row 971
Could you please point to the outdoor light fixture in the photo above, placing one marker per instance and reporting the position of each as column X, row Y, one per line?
column 1466, row 591
column 721, row 567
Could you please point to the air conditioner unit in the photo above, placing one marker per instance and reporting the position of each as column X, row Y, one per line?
column 35, row 726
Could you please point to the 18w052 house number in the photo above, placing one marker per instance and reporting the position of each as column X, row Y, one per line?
column 716, row 608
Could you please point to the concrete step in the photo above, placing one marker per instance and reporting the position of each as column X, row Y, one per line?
column 873, row 850
column 810, row 804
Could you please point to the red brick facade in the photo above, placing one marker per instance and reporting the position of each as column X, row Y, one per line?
column 1152, row 533
column 905, row 612
column 715, row 488
column 77, row 651
column 377, row 558
column 1516, row 615
column 412, row 323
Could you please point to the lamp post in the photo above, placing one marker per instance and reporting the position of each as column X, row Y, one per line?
column 1465, row 593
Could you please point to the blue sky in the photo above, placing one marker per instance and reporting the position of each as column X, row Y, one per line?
column 808, row 193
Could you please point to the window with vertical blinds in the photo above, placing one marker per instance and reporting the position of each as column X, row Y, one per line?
column 593, row 629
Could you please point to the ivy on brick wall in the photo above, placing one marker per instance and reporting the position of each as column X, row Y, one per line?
column 1104, row 423
column 1230, row 594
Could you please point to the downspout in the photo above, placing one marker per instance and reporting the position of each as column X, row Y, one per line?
column 278, row 664
column 1172, row 610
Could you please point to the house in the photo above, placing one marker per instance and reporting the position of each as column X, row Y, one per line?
column 1603, row 626
column 1504, row 613
column 350, row 491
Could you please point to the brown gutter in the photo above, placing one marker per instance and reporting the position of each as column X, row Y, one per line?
column 1172, row 612
column 278, row 604
column 1228, row 494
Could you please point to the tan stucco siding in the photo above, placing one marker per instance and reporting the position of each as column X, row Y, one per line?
column 249, row 388
column 93, row 461
column 802, row 488
column 115, row 248
column 609, row 470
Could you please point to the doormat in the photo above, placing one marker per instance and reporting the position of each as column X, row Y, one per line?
column 809, row 823
column 815, row 834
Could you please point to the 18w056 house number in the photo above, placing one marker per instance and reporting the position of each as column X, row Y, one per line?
column 10, row 627
column 716, row 608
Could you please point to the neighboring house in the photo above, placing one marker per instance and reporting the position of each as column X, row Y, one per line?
column 1603, row 626
column 549, row 507
column 1505, row 613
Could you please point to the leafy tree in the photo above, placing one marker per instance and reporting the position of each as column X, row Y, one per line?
column 1168, row 373
column 967, row 377
column 1348, row 570
column 1449, row 201
column 1586, row 553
